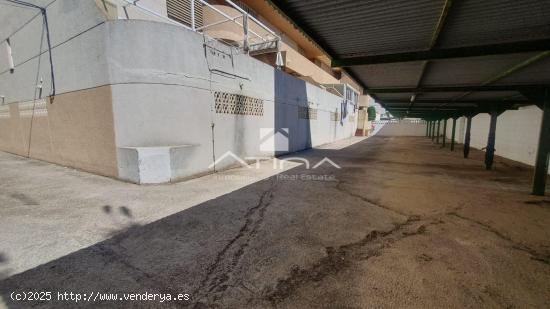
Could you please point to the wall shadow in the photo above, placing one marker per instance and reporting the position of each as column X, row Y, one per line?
column 291, row 113
column 4, row 271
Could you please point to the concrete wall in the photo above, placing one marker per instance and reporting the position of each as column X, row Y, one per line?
column 76, row 128
column 517, row 133
column 78, row 53
column 400, row 128
column 169, row 100
column 157, row 6
column 459, row 130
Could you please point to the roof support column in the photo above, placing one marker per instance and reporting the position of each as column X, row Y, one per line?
column 437, row 133
column 433, row 130
column 541, row 164
column 467, row 136
column 444, row 132
column 453, row 134
column 427, row 128
column 490, row 149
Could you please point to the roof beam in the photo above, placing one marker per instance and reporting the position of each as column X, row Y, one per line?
column 420, row 105
column 440, row 23
column 445, row 53
column 354, row 77
column 450, row 101
column 510, row 71
column 520, row 87
column 404, row 109
column 455, row 110
column 433, row 42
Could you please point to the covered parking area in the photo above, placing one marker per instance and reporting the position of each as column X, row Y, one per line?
column 400, row 223
column 440, row 60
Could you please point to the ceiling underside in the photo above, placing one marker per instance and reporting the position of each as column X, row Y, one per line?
column 411, row 55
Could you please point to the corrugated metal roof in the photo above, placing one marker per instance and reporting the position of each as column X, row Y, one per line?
column 394, row 96
column 403, row 74
column 353, row 27
column 439, row 95
column 487, row 95
column 350, row 28
column 473, row 22
column 460, row 71
column 539, row 73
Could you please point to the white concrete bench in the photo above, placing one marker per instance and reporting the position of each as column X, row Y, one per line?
column 149, row 165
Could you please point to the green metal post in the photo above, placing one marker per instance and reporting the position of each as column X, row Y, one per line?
column 433, row 130
column 541, row 163
column 453, row 134
column 437, row 136
column 444, row 132
column 467, row 136
column 490, row 149
column 427, row 128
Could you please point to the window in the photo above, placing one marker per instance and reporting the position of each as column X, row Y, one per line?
column 180, row 10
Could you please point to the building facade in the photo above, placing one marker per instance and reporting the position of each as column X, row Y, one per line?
column 139, row 96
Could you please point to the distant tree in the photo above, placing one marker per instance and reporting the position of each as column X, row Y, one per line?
column 371, row 112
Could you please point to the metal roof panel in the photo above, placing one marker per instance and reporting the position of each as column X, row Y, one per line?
column 474, row 22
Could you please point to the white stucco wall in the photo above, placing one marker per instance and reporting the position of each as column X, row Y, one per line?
column 459, row 131
column 78, row 52
column 400, row 128
column 517, row 133
column 156, row 6
column 164, row 97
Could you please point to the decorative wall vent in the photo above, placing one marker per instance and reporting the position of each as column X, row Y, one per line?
column 36, row 108
column 231, row 103
column 4, row 111
column 307, row 112
column 334, row 116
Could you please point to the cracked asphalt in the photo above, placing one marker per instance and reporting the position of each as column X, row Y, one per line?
column 402, row 224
